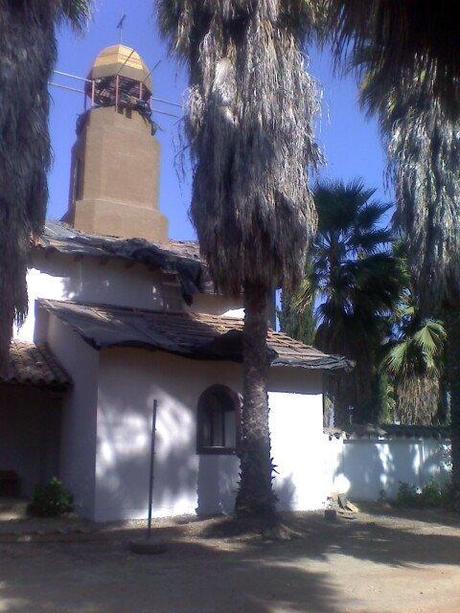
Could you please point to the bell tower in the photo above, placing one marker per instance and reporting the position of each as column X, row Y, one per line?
column 114, row 187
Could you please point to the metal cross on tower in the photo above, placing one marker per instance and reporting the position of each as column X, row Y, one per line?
column 121, row 25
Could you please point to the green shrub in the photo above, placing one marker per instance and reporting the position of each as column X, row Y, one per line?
column 450, row 497
column 432, row 495
column 407, row 496
column 51, row 500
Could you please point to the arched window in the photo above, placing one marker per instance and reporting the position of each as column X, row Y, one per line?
column 218, row 409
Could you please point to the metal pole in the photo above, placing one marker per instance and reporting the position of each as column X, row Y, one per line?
column 164, row 113
column 72, row 76
column 126, row 61
column 70, row 89
column 152, row 456
column 167, row 102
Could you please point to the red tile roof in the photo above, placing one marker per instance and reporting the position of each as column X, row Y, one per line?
column 34, row 365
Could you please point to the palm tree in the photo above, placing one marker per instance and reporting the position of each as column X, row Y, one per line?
column 27, row 57
column 298, row 324
column 405, row 38
column 249, row 124
column 423, row 143
column 409, row 55
column 414, row 363
column 357, row 282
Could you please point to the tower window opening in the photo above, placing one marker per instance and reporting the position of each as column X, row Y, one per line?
column 78, row 180
column 129, row 91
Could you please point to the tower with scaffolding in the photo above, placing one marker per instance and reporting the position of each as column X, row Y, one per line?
column 115, row 172
column 114, row 81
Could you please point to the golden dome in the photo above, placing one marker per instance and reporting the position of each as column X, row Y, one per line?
column 121, row 60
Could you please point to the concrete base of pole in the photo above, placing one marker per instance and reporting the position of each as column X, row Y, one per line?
column 149, row 546
column 330, row 514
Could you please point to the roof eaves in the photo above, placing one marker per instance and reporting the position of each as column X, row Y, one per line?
column 196, row 336
column 190, row 270
column 330, row 363
column 35, row 366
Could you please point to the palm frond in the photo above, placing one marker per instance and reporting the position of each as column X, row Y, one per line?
column 297, row 313
column 304, row 296
column 414, row 358
column 396, row 359
column 430, row 340
column 423, row 144
column 249, row 122
column 370, row 241
column 27, row 57
column 418, row 354
column 77, row 12
column 357, row 281
column 372, row 213
column 400, row 39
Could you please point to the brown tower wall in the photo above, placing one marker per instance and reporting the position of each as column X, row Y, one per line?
column 115, row 177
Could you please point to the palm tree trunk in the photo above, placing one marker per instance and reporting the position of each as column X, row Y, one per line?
column 28, row 54
column 255, row 496
column 453, row 375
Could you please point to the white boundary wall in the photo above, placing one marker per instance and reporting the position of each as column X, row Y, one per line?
column 364, row 468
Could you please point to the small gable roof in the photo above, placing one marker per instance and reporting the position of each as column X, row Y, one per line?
column 34, row 365
column 192, row 335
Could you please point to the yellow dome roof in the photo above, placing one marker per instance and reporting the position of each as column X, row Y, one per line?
column 122, row 60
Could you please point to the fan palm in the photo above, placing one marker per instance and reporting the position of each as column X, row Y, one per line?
column 299, row 324
column 406, row 38
column 423, row 142
column 357, row 281
column 249, row 123
column 27, row 57
column 414, row 362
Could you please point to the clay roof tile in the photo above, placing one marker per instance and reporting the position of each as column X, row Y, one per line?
column 34, row 365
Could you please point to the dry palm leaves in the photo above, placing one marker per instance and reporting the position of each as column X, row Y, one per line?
column 249, row 123
column 27, row 56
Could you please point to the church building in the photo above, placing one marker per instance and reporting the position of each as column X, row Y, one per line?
column 122, row 318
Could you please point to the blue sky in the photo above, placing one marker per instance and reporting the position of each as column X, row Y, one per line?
column 351, row 143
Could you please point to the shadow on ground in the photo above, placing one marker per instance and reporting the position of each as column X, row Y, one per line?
column 209, row 567
column 430, row 516
column 387, row 538
column 190, row 577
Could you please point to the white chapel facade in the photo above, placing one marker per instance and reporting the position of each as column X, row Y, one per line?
column 122, row 316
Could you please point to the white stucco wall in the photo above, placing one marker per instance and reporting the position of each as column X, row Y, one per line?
column 79, row 413
column 216, row 304
column 88, row 280
column 185, row 482
column 106, row 420
column 296, row 422
column 363, row 468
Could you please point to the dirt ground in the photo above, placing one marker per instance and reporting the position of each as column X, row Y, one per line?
column 375, row 562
